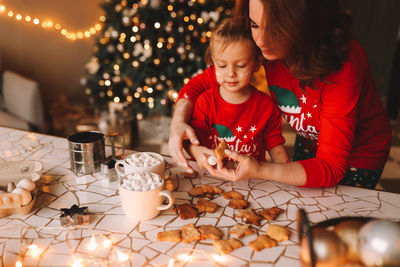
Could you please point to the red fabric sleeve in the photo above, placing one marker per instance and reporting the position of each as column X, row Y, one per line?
column 198, row 84
column 338, row 119
column 273, row 132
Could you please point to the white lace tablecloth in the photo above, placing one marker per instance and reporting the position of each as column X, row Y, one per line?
column 60, row 188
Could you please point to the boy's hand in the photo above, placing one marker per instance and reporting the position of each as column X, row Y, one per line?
column 201, row 154
column 246, row 168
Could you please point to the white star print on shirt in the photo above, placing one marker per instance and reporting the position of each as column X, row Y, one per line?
column 253, row 129
column 309, row 115
column 304, row 99
column 239, row 129
column 245, row 136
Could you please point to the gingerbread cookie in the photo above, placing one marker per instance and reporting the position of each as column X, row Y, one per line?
column 220, row 150
column 190, row 175
column 232, row 195
column 211, row 189
column 241, row 230
column 205, row 190
column 196, row 191
column 261, row 242
column 186, row 211
column 250, row 215
column 204, row 205
column 278, row 233
column 238, row 203
column 209, row 231
column 226, row 246
column 271, row 213
column 171, row 236
column 190, row 233
column 169, row 185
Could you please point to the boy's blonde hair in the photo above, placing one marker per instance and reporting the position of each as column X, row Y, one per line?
column 229, row 31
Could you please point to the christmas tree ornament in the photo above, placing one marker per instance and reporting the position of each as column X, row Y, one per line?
column 137, row 49
column 329, row 250
column 379, row 243
column 118, row 8
column 93, row 65
column 116, row 79
column 83, row 81
column 348, row 231
column 126, row 21
column 120, row 47
column 106, row 75
column 110, row 48
column 114, row 34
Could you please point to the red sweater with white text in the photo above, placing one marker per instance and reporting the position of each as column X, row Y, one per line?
column 242, row 126
column 343, row 120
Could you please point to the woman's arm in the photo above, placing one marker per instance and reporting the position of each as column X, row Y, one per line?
column 198, row 84
column 180, row 129
column 291, row 173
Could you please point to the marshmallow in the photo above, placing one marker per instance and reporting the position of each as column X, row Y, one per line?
column 24, row 195
column 142, row 160
column 144, row 181
column 27, row 184
column 212, row 160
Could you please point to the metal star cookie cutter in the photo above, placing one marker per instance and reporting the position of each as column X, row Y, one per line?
column 74, row 216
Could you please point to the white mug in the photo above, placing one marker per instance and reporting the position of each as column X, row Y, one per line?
column 123, row 167
column 144, row 205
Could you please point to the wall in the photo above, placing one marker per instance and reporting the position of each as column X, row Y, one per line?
column 45, row 55
column 376, row 25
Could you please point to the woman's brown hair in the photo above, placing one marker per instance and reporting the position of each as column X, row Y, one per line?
column 311, row 36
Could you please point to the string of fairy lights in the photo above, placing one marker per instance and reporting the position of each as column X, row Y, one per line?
column 86, row 246
column 127, row 53
column 52, row 25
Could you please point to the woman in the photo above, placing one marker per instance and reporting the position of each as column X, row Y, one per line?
column 319, row 77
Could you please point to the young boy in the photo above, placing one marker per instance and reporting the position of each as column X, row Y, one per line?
column 235, row 111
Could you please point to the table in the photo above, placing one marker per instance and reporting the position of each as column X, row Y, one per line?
column 60, row 188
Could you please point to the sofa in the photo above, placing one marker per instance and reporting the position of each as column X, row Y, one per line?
column 20, row 103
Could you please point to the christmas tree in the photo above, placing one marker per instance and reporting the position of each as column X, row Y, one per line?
column 149, row 49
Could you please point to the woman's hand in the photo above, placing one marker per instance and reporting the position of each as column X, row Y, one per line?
column 180, row 130
column 246, row 168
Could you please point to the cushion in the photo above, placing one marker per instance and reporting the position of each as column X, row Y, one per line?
column 8, row 120
column 22, row 98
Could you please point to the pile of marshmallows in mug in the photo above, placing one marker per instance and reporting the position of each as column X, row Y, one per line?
column 143, row 181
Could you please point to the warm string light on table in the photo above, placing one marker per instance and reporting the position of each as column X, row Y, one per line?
column 188, row 255
column 49, row 24
column 96, row 248
column 96, row 243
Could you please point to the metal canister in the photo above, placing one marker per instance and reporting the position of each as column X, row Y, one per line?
column 87, row 153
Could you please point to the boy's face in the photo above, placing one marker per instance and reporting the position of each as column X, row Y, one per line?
column 234, row 65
